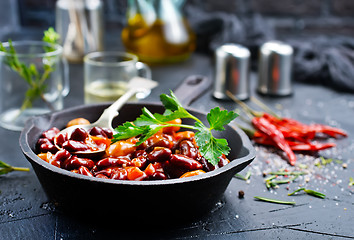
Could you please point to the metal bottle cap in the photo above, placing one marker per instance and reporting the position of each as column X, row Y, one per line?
column 275, row 69
column 232, row 71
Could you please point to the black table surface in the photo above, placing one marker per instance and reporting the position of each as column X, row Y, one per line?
column 26, row 213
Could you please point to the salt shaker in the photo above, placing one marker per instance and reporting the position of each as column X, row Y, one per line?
column 232, row 71
column 275, row 69
column 80, row 26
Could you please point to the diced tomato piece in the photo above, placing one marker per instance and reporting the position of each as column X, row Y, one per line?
column 184, row 135
column 135, row 173
column 170, row 130
column 192, row 173
column 121, row 148
column 101, row 142
column 150, row 169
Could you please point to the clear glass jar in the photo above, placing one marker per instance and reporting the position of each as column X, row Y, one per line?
column 80, row 26
column 38, row 88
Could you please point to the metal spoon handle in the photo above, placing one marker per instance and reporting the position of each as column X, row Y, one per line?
column 112, row 111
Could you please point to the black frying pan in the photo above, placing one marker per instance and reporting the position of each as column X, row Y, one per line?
column 173, row 198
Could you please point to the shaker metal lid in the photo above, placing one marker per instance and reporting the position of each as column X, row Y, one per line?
column 235, row 50
column 231, row 71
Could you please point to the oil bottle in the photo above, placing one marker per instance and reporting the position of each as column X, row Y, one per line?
column 157, row 31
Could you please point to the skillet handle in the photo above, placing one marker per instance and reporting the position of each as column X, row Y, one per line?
column 191, row 88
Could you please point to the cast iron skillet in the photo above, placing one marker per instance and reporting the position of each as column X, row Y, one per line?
column 177, row 198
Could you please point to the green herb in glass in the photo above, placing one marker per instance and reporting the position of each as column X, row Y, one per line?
column 6, row 168
column 34, row 79
column 148, row 124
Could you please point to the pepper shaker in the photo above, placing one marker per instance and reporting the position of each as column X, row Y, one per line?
column 275, row 69
column 232, row 71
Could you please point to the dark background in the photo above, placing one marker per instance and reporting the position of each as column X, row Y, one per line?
column 295, row 17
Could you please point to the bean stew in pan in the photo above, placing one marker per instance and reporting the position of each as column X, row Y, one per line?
column 170, row 153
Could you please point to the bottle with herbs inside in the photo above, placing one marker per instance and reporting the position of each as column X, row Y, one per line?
column 157, row 31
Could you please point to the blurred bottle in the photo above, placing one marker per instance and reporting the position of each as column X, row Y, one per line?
column 157, row 31
column 80, row 25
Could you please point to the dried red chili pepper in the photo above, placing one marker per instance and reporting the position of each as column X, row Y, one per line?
column 263, row 139
column 311, row 147
column 266, row 127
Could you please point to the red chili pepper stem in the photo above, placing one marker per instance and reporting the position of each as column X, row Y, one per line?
column 249, row 111
column 264, row 107
column 249, row 132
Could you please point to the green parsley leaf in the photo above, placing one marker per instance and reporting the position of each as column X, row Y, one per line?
column 128, row 130
column 174, row 108
column 147, row 124
column 218, row 119
column 147, row 118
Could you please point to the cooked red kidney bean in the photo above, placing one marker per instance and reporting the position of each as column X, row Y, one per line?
column 112, row 162
column 61, row 155
column 160, row 154
column 100, row 132
column 84, row 171
column 79, row 134
column 107, row 172
column 74, row 163
column 163, row 143
column 140, row 162
column 186, row 147
column 223, row 161
column 173, row 171
column 101, row 176
column 119, row 174
column 185, row 162
column 139, row 153
column 158, row 176
column 45, row 145
column 108, row 132
column 75, row 146
column 207, row 166
column 50, row 134
column 61, row 138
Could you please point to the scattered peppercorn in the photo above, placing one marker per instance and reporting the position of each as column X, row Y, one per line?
column 241, row 194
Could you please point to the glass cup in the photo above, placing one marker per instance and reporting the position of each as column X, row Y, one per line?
column 33, row 81
column 106, row 75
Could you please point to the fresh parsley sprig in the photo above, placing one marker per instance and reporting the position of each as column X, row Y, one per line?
column 34, row 79
column 149, row 124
